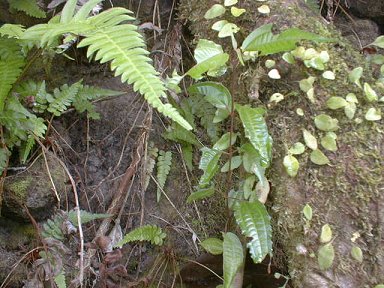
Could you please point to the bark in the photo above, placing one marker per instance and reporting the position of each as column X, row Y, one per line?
column 348, row 193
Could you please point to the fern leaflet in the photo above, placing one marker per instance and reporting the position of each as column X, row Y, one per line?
column 151, row 233
column 30, row 7
column 164, row 162
column 60, row 279
column 63, row 98
column 4, row 154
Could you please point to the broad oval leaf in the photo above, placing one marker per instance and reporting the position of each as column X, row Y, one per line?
column 357, row 254
column 233, row 258
column 254, row 222
column 235, row 163
column 307, row 211
column 252, row 162
column 223, row 143
column 326, row 234
column 318, row 157
column 379, row 42
column 355, row 75
column 248, row 187
column 336, row 103
column 309, row 140
column 329, row 141
column 216, row 10
column 329, row 75
column 256, row 131
column 213, row 246
column 373, row 114
column 215, row 93
column 297, row 148
column 228, row 29
column 370, row 94
column 291, row 165
column 326, row 123
column 236, row 12
column 325, row 257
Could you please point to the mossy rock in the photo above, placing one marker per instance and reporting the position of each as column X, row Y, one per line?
column 346, row 194
column 34, row 190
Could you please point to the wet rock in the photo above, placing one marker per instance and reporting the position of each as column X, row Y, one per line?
column 366, row 8
column 33, row 189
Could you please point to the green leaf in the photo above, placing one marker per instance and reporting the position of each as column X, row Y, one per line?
column 307, row 211
column 256, row 131
column 288, row 57
column 223, row 143
column 248, row 187
column 29, row 7
column 329, row 141
column 326, row 123
column 264, row 9
column 254, row 222
column 201, row 194
column 326, row 234
column 379, row 42
column 85, row 10
column 233, row 258
column 230, row 2
column 213, row 246
column 355, row 75
column 379, row 286
column 216, row 94
column 235, row 163
column 151, row 233
column 252, row 162
column 164, row 163
column 228, row 30
column 326, row 255
column 266, row 43
column 85, row 217
column 373, row 114
column 336, row 103
column 68, row 11
column 12, row 30
column 187, row 151
column 307, row 84
column 236, row 12
column 357, row 254
column 209, row 164
column 370, row 94
column 215, row 11
column 60, row 280
column 210, row 58
column 318, row 157
column 291, row 165
column 217, row 26
column 309, row 140
column 297, row 148
column 350, row 110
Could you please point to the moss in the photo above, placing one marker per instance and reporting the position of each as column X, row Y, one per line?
column 20, row 187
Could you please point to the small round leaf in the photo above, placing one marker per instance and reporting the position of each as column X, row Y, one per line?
column 297, row 148
column 357, row 254
column 336, row 103
column 215, row 11
column 326, row 234
column 291, row 165
column 326, row 255
column 326, row 123
column 373, row 114
column 309, row 140
column 318, row 157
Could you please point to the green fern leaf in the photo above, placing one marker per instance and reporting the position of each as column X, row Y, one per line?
column 84, row 11
column 233, row 258
column 256, row 131
column 151, row 233
column 264, row 41
column 187, row 151
column 178, row 134
column 11, row 30
column 85, row 216
column 26, row 149
column 60, row 279
column 30, row 7
column 209, row 164
column 4, row 155
column 202, row 193
column 68, row 11
column 129, row 59
column 63, row 98
column 313, row 4
column 254, row 222
column 164, row 162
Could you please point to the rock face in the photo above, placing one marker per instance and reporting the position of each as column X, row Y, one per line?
column 33, row 188
column 367, row 8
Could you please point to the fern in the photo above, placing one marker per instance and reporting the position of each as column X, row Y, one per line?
column 85, row 216
column 108, row 38
column 26, row 148
column 4, row 154
column 233, row 258
column 254, row 221
column 30, row 7
column 11, row 63
column 149, row 164
column 63, row 97
column 164, row 162
column 11, row 30
column 202, row 193
column 151, row 233
column 60, row 279
column 264, row 41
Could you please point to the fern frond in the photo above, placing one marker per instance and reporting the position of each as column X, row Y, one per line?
column 85, row 216
column 4, row 155
column 29, row 7
column 60, row 279
column 26, row 149
column 151, row 233
column 63, row 98
column 12, row 30
column 164, row 162
column 149, row 164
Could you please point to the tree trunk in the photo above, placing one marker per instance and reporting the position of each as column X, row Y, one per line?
column 347, row 194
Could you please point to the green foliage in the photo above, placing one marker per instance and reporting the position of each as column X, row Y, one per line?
column 213, row 246
column 313, row 4
column 164, row 162
column 254, row 221
column 264, row 41
column 209, row 164
column 233, row 258
column 325, row 257
column 4, row 155
column 85, row 216
column 201, row 193
column 151, row 233
column 256, row 131
column 60, row 280
column 106, row 36
column 30, row 7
